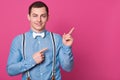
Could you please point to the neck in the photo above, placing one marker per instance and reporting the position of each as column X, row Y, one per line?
column 37, row 31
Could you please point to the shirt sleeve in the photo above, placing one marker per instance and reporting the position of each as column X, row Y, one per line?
column 65, row 55
column 16, row 64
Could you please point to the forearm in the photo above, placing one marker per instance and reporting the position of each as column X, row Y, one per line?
column 20, row 67
column 66, row 58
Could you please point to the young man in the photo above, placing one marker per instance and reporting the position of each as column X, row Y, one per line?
column 33, row 54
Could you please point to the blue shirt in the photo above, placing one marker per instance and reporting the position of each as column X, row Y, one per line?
column 43, row 71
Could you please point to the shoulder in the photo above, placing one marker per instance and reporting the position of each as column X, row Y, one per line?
column 17, row 39
column 56, row 35
column 58, row 38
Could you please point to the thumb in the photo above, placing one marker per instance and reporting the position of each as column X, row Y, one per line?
column 63, row 35
column 43, row 50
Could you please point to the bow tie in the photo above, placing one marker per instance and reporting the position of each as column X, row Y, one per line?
column 38, row 34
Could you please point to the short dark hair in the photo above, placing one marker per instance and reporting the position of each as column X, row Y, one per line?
column 38, row 4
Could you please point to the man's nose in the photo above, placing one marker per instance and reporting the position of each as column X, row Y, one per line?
column 39, row 19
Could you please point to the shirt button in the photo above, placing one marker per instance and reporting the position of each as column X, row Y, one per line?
column 38, row 42
column 41, row 73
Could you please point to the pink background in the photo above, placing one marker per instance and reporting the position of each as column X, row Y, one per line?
column 96, row 45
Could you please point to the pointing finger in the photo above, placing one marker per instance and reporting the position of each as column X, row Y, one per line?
column 43, row 50
column 70, row 32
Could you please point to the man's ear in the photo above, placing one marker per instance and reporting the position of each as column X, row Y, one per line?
column 28, row 16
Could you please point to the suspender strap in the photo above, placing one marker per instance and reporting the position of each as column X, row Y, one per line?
column 54, row 56
column 28, row 74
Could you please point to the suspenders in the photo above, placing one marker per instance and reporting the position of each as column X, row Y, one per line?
column 54, row 56
column 28, row 73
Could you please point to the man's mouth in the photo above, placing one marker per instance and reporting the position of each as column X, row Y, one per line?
column 38, row 24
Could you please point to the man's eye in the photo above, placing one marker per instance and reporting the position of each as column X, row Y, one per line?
column 44, row 16
column 34, row 15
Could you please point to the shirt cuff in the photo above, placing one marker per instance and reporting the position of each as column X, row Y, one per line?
column 29, row 63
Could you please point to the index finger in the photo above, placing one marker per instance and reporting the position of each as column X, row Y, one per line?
column 70, row 32
column 43, row 50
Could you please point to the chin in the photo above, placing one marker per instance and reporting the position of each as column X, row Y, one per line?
column 40, row 29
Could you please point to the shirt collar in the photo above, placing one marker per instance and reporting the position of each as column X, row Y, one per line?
column 44, row 31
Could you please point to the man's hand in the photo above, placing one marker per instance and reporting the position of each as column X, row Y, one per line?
column 39, row 56
column 67, row 38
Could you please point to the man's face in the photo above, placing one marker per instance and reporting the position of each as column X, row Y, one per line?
column 38, row 18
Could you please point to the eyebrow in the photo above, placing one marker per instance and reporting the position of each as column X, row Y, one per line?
column 37, row 14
